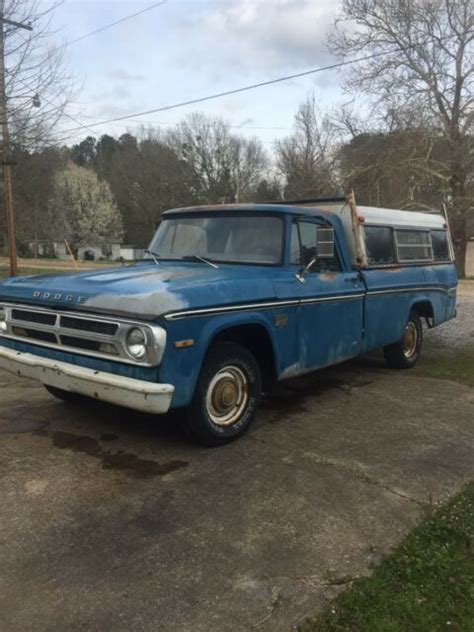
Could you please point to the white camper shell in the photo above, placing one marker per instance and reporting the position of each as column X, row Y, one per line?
column 414, row 234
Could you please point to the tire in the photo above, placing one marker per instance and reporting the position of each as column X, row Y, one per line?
column 65, row 396
column 404, row 354
column 226, row 395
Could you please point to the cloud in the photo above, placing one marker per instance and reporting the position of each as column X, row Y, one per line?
column 256, row 35
column 114, row 92
column 119, row 74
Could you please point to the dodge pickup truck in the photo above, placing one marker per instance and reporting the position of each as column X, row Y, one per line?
column 230, row 299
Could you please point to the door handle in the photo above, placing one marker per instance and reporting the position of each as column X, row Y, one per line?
column 353, row 279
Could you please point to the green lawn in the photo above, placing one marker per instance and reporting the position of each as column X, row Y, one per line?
column 426, row 585
column 445, row 364
column 5, row 272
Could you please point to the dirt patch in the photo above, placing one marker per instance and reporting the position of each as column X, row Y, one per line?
column 137, row 467
column 20, row 425
column 108, row 436
column 20, row 421
column 129, row 463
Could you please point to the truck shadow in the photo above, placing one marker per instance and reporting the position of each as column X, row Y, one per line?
column 290, row 396
column 285, row 398
column 117, row 436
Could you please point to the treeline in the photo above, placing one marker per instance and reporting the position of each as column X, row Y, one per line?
column 105, row 189
column 412, row 146
column 199, row 162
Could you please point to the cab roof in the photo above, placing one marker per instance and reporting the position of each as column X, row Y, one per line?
column 260, row 208
column 371, row 214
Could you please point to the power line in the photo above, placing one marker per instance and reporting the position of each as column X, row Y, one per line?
column 109, row 26
column 82, row 37
column 219, row 95
column 233, row 126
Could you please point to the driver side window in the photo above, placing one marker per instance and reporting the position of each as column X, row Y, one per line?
column 304, row 248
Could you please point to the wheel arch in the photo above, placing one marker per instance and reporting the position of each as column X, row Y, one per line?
column 424, row 309
column 254, row 335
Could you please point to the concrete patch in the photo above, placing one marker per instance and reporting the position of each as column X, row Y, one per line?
column 36, row 487
column 256, row 535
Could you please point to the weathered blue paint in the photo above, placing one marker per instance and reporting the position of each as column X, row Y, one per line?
column 329, row 318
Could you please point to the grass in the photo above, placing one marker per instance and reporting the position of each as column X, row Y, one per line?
column 5, row 272
column 457, row 366
column 57, row 269
column 426, row 585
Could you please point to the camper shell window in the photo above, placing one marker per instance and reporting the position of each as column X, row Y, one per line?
column 379, row 245
column 439, row 240
column 389, row 245
column 413, row 245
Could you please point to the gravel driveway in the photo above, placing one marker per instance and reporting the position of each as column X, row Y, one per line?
column 459, row 332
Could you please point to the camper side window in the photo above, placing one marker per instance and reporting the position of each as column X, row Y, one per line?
column 439, row 239
column 413, row 245
column 379, row 245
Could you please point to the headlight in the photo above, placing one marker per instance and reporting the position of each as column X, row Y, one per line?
column 3, row 320
column 136, row 343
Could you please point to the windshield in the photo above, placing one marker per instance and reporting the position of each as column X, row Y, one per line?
column 225, row 238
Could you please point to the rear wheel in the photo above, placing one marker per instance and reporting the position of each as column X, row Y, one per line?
column 404, row 354
column 65, row 396
column 226, row 395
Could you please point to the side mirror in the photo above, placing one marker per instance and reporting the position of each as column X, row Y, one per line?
column 324, row 250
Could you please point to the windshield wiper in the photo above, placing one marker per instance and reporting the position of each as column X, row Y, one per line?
column 199, row 258
column 154, row 255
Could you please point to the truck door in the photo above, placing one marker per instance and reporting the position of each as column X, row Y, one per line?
column 331, row 303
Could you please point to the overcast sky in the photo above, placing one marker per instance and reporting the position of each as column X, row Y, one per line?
column 190, row 48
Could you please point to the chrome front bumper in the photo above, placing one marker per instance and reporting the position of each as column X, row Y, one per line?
column 140, row 395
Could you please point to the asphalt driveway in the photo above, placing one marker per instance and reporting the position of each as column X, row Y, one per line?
column 110, row 520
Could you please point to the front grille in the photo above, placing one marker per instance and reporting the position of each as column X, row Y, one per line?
column 93, row 326
column 34, row 317
column 43, row 336
column 84, row 334
column 80, row 343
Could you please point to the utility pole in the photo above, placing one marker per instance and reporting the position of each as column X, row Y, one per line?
column 6, row 159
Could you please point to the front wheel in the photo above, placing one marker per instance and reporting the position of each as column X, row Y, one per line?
column 226, row 395
column 404, row 354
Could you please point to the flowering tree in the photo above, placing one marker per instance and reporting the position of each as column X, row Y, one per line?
column 82, row 208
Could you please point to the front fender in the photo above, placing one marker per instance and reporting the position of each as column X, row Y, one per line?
column 181, row 366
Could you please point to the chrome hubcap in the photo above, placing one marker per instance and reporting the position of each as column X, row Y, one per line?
column 410, row 340
column 227, row 396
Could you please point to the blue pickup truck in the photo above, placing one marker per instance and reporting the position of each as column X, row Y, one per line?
column 229, row 300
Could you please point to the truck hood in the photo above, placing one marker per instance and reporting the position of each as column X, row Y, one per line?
column 144, row 291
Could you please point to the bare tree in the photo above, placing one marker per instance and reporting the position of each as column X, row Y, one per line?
column 37, row 88
column 423, row 60
column 307, row 158
column 225, row 166
column 394, row 168
column 37, row 85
